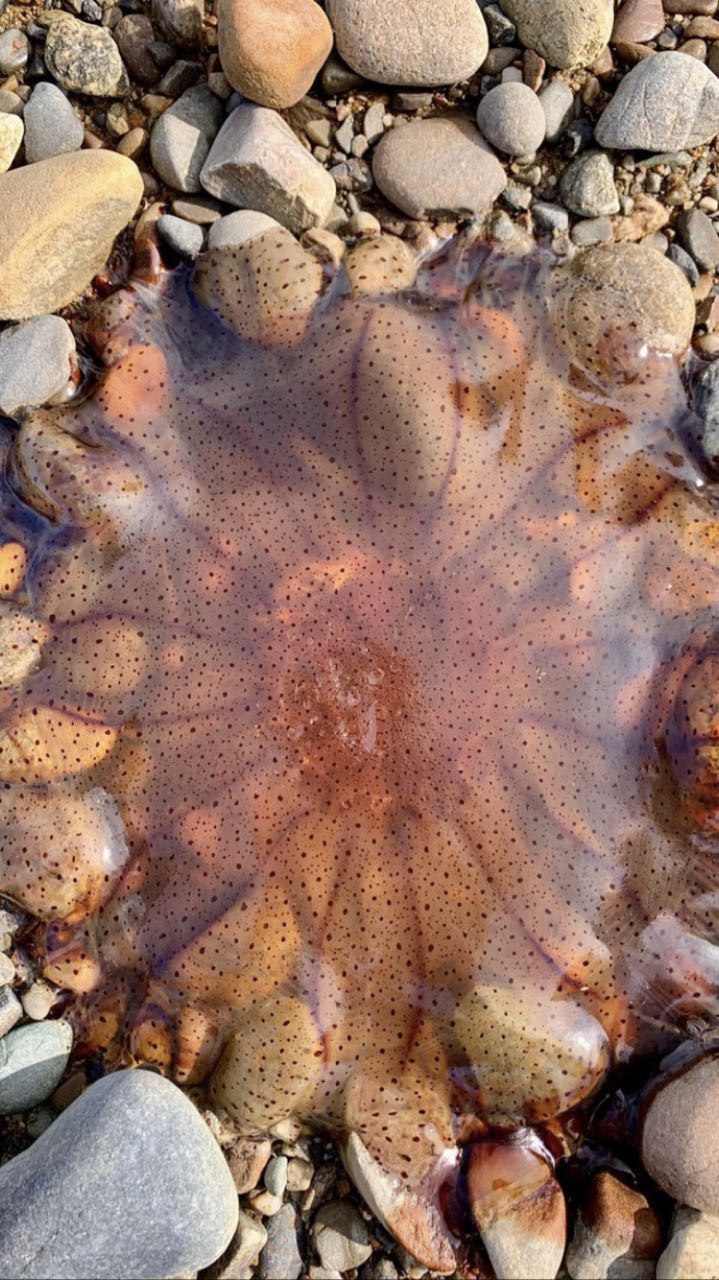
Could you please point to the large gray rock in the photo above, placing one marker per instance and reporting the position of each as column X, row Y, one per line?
column 35, row 363
column 128, row 1182
column 32, row 1060
column 568, row 33
column 438, row 166
column 51, row 126
column 664, row 103
column 182, row 137
column 256, row 162
column 423, row 42
column 84, row 58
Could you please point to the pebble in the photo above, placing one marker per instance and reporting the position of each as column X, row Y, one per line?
column 85, row 59
column 697, row 234
column 550, row 217
column 587, row 186
column 239, row 228
column 242, row 1251
column 616, row 1234
column 179, row 77
column 638, row 20
column 11, row 132
column 706, row 405
column 247, row 1160
column 183, row 238
column 337, row 77
column 566, row 33
column 693, row 1249
column 38, row 1000
column 127, row 1182
column 373, row 123
column 14, row 51
column 7, row 968
column 685, row 262
column 511, row 118
column 201, row 209
column 410, row 42
column 35, row 363
column 134, row 35
column 180, row 20
column 272, row 51
column 275, row 1178
column 58, row 220
column 10, row 1011
column 32, row 1060
column 133, row 143
column 11, row 103
column 663, row 104
column 281, row 1258
column 181, row 139
column 437, row 166
column 557, row 100
column 299, row 1174
column 257, row 161
column 519, row 1210
column 678, row 1141
column 340, row 1236
column 51, row 125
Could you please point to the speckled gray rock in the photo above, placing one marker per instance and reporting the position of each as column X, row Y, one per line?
column 11, row 131
column 422, row 42
column 685, row 262
column 32, row 1060
column 84, row 58
column 35, row 362
column 698, row 236
column 182, row 137
column 181, row 20
column 557, row 101
column 239, row 228
column 127, row 1182
column 511, row 118
column 706, row 405
column 281, row 1258
column 666, row 102
column 568, row 33
column 51, row 126
column 587, row 186
column 257, row 162
column 184, row 238
column 678, row 1142
column 437, row 166
column 14, row 51
column 340, row 1236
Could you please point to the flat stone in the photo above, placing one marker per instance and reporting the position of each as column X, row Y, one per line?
column 697, row 234
column 35, row 363
column 340, row 1236
column 271, row 50
column 51, row 126
column 410, row 42
column 181, row 139
column 134, row 35
column 587, row 186
column 550, row 217
column 257, row 162
column 512, row 119
column 557, row 101
column 14, row 51
column 693, row 1249
column 32, row 1060
column 239, row 228
column 58, row 219
column 281, row 1258
column 567, row 33
column 678, row 1141
column 201, row 209
column 437, row 166
column 183, row 238
column 11, row 132
column 84, row 58
column 638, row 20
column 127, row 1182
column 664, row 103
column 180, row 20
column 616, row 1234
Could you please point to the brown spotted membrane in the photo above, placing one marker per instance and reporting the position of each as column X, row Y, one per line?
column 360, row 721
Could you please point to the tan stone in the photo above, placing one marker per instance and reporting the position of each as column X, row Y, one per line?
column 519, row 1210
column 693, row 1249
column 271, row 50
column 679, row 1145
column 58, row 219
column 615, row 1233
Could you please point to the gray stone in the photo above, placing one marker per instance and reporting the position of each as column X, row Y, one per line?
column 134, row 35
column 10, row 1009
column 201, row 209
column 239, row 228
column 182, row 75
column 14, row 51
column 32, row 1060
column 11, row 131
column 242, row 1251
column 181, row 20
column 568, row 33
column 35, row 363
column 256, row 162
column 182, row 237
column 85, row 59
column 501, row 30
column 11, row 103
column 705, row 397
column 685, row 262
column 517, row 197
column 557, row 101
column 592, row 231
column 664, row 103
column 275, row 1177
column 550, row 217
column 373, row 123
column 587, row 186
column 512, row 119
column 693, row 1249
column 410, row 42
column 411, row 101
column 181, row 139
column 340, row 1236
column 128, row 1182
column 698, row 236
column 337, row 77
column 51, row 126
column 438, row 166
column 281, row 1258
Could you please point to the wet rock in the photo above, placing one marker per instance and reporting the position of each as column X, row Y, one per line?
column 257, row 162
column 664, row 103
column 58, row 219
column 693, row 1249
column 698, row 236
column 410, row 42
column 281, row 1258
column 512, row 119
column 587, row 186
column 14, row 51
column 134, row 35
column 32, row 1060
column 11, row 132
column 437, row 166
column 35, row 363
column 180, row 20
column 181, row 139
column 557, row 101
column 638, row 20
column 183, row 238
column 271, row 50
column 340, row 1236
column 84, row 58
column 616, row 1234
column 519, row 1211
column 51, row 125
column 565, row 32
column 678, row 1141
column 127, row 1182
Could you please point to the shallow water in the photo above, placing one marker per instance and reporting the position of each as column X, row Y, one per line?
column 361, row 696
